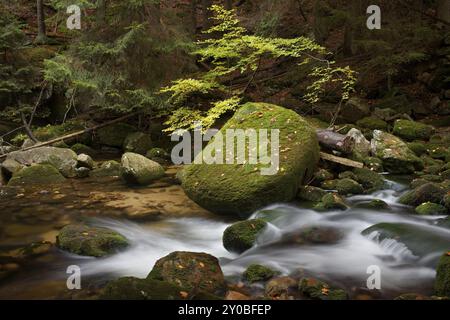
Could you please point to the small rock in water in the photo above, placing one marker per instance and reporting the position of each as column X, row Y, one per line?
column 429, row 208
column 83, row 172
column 283, row 288
column 241, row 236
column 256, row 272
column 36, row 174
column 84, row 160
column 316, row 289
column 137, row 169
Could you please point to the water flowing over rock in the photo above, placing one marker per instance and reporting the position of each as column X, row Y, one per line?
column 241, row 188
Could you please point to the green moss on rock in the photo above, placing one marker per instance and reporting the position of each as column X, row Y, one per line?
column 372, row 123
column 36, row 174
column 371, row 181
column 241, row 236
column 429, row 192
column 429, row 208
column 442, row 282
column 418, row 147
column 137, row 169
column 242, row 188
column 348, row 186
column 190, row 270
column 257, row 272
column 331, row 201
column 316, row 289
column 411, row 130
column 90, row 241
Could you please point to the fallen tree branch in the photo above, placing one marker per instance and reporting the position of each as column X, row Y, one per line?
column 343, row 161
column 75, row 134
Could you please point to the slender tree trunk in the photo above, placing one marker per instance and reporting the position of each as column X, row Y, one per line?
column 443, row 10
column 228, row 4
column 207, row 23
column 41, row 34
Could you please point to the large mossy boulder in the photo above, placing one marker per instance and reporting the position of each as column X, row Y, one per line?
column 442, row 282
column 90, row 241
column 63, row 159
column 190, row 270
column 36, row 174
column 395, row 154
column 114, row 135
column 129, row 288
column 241, row 236
column 420, row 240
column 242, row 188
column 137, row 142
column 411, row 130
column 137, row 169
column 428, row 192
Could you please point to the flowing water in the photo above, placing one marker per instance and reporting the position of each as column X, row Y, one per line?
column 343, row 262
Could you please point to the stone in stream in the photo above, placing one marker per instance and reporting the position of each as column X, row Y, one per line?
column 84, row 160
column 137, row 169
column 371, row 181
column 348, row 187
column 190, row 270
column 241, row 236
column 375, row 204
column 130, row 288
column 395, row 154
column 83, row 172
column 137, row 142
column 63, row 159
column 257, row 272
column 429, row 208
column 282, row 288
column 442, row 281
column 420, row 240
column 331, row 201
column 109, row 168
column 36, row 174
column 411, row 130
column 90, row 241
column 314, row 235
column 429, row 192
column 316, row 289
column 242, row 188
column 114, row 135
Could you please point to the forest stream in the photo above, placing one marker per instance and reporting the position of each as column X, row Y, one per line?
column 40, row 213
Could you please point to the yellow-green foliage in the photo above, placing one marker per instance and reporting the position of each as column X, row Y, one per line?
column 236, row 51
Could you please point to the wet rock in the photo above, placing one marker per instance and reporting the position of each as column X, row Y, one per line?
column 80, row 148
column 314, row 235
column 65, row 160
column 309, row 193
column 114, row 135
column 9, row 167
column 411, row 130
column 84, row 160
column 36, row 174
column 137, row 169
column 348, row 187
column 429, row 192
column 90, row 241
column 442, row 281
column 371, row 181
column 83, row 172
column 418, row 239
column 241, row 236
column 375, row 204
column 190, row 270
column 395, row 154
column 429, row 208
column 372, row 123
column 257, row 272
column 331, row 201
column 355, row 109
column 283, row 288
column 107, row 169
column 137, row 142
column 129, row 288
column 316, row 289
column 242, row 189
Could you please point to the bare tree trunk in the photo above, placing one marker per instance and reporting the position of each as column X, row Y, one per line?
column 444, row 10
column 42, row 34
column 207, row 23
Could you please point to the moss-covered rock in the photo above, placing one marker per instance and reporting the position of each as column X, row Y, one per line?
column 242, row 188
column 190, row 270
column 309, row 193
column 371, row 181
column 281, row 288
column 316, row 289
column 348, row 186
column 36, row 174
column 417, row 238
column 374, row 164
column 323, row 175
column 411, row 130
column 109, row 168
column 438, row 151
column 375, row 204
column 429, row 208
column 257, row 272
column 418, row 147
column 329, row 184
column 241, row 236
column 137, row 169
column 395, row 154
column 445, row 174
column 372, row 123
column 90, row 241
column 442, row 282
column 129, row 288
column 361, row 149
column 331, row 201
column 137, row 142
column 114, row 135
column 429, row 192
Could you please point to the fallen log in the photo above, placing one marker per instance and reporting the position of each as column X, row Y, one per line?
column 335, row 141
column 75, row 134
column 340, row 160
